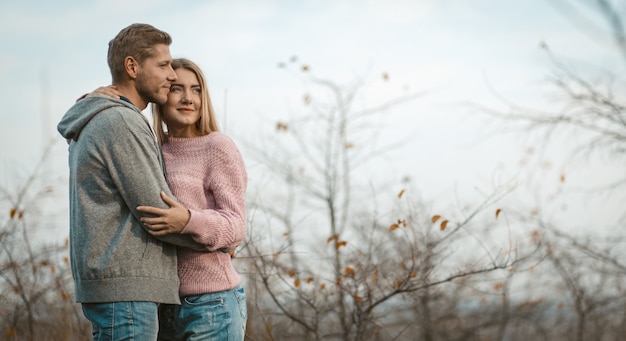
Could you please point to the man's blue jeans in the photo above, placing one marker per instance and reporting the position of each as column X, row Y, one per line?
column 123, row 320
column 219, row 316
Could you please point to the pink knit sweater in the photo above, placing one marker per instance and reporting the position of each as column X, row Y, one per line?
column 208, row 176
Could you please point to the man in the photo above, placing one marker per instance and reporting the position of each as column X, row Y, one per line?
column 120, row 271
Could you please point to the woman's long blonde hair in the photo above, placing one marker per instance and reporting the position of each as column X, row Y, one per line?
column 207, row 122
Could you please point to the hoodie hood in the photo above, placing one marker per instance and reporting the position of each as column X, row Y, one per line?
column 79, row 115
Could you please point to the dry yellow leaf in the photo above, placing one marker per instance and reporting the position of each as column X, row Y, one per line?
column 443, row 225
column 333, row 237
column 435, row 218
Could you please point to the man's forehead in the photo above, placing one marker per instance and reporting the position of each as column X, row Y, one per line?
column 161, row 53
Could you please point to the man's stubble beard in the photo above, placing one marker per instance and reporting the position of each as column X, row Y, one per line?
column 145, row 91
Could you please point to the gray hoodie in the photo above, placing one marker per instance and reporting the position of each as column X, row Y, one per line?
column 116, row 165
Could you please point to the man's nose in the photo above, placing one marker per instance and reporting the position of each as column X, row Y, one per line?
column 172, row 75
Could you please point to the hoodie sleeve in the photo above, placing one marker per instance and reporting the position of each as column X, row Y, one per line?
column 134, row 161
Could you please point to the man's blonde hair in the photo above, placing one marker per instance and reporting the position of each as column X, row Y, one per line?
column 137, row 41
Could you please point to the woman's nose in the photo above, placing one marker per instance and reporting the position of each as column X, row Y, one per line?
column 187, row 99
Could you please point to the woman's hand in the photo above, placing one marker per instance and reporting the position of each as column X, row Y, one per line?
column 165, row 221
column 110, row 91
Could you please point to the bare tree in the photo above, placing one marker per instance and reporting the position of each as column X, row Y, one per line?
column 584, row 270
column 35, row 279
column 354, row 255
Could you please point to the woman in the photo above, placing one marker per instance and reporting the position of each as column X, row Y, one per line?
column 206, row 173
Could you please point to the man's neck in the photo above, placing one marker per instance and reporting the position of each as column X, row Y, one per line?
column 131, row 95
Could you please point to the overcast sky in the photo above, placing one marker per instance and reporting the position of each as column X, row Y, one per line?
column 54, row 51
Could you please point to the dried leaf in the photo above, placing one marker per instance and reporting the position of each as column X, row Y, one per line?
column 309, row 280
column 393, row 227
column 358, row 298
column 435, row 218
column 412, row 275
column 305, row 68
column 400, row 194
column 349, row 145
column 322, row 286
column 340, row 244
column 443, row 225
column 498, row 286
column 498, row 212
column 348, row 272
column 280, row 126
column 64, row 295
column 12, row 212
column 296, row 282
column 333, row 237
column 375, row 276
column 292, row 273
column 535, row 235
column 562, row 178
column 398, row 284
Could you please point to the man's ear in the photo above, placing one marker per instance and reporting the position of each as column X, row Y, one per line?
column 131, row 66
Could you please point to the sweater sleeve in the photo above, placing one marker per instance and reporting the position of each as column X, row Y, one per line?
column 225, row 225
column 134, row 163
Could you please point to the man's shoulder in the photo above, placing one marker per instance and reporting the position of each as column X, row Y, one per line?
column 120, row 115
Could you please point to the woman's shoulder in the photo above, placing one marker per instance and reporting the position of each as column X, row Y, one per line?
column 219, row 139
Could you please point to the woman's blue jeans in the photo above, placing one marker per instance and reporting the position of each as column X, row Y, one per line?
column 116, row 321
column 219, row 316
